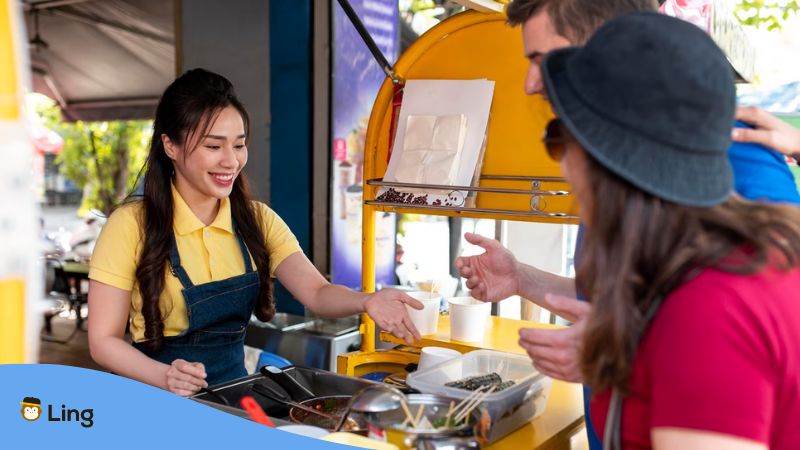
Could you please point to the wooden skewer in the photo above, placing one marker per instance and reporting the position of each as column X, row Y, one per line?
column 409, row 416
column 468, row 410
column 419, row 415
column 468, row 398
column 449, row 412
column 477, row 401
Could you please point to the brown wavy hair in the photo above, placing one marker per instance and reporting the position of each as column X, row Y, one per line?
column 187, row 109
column 638, row 247
column 575, row 20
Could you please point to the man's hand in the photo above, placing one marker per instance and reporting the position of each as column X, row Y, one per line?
column 492, row 275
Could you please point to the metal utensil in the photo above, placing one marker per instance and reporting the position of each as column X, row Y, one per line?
column 215, row 395
column 297, row 391
column 373, row 399
column 276, row 396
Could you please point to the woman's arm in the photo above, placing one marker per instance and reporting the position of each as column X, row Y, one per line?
column 387, row 307
column 686, row 439
column 109, row 307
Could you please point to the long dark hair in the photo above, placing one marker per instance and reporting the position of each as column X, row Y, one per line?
column 186, row 111
column 638, row 247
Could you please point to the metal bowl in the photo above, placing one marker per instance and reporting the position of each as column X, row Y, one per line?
column 355, row 422
column 435, row 407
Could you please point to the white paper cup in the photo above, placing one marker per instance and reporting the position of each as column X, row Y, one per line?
column 426, row 320
column 305, row 430
column 431, row 356
column 468, row 318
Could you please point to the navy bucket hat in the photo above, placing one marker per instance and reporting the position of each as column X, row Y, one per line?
column 652, row 99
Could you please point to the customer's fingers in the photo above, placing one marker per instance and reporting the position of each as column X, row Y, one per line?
column 555, row 356
column 756, row 136
column 563, row 338
column 756, row 116
column 557, row 372
column 481, row 241
column 477, row 289
column 571, row 309
column 465, row 270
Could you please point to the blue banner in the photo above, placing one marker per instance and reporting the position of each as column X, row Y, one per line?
column 50, row 406
column 356, row 80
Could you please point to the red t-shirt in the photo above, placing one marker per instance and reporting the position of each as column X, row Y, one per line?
column 722, row 355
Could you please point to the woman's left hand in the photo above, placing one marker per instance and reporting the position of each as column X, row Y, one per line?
column 388, row 309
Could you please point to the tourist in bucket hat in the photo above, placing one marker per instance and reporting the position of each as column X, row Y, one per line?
column 693, row 340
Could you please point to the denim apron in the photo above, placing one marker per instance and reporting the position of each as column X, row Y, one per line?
column 218, row 315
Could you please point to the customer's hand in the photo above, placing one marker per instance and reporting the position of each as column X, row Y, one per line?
column 185, row 378
column 556, row 353
column 768, row 131
column 387, row 308
column 492, row 275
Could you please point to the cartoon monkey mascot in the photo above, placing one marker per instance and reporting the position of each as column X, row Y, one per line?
column 31, row 408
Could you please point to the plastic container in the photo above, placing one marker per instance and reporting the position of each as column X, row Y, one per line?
column 529, row 386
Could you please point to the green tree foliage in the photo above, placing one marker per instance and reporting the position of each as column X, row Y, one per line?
column 101, row 158
column 769, row 14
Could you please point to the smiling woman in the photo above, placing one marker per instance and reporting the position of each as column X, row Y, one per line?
column 189, row 262
column 206, row 172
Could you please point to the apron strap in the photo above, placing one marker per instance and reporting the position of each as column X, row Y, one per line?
column 175, row 266
column 248, row 266
column 178, row 270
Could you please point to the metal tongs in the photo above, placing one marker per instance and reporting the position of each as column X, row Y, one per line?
column 274, row 395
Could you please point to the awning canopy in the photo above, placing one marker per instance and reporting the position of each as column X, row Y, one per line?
column 101, row 60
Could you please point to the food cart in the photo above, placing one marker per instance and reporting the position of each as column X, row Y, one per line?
column 518, row 182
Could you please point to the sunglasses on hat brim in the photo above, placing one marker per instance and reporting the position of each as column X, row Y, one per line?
column 555, row 139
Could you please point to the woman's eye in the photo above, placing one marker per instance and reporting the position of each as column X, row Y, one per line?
column 239, row 147
column 213, row 147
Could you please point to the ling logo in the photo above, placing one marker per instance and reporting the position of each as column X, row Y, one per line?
column 31, row 408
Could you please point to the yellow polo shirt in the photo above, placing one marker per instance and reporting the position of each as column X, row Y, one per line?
column 208, row 253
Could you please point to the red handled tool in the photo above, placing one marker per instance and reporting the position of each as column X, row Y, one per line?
column 256, row 412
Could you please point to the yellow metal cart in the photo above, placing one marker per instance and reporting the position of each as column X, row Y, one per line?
column 18, row 331
column 518, row 182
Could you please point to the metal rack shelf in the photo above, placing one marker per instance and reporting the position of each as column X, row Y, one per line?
column 535, row 193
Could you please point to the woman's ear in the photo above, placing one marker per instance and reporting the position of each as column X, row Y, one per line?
column 170, row 148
